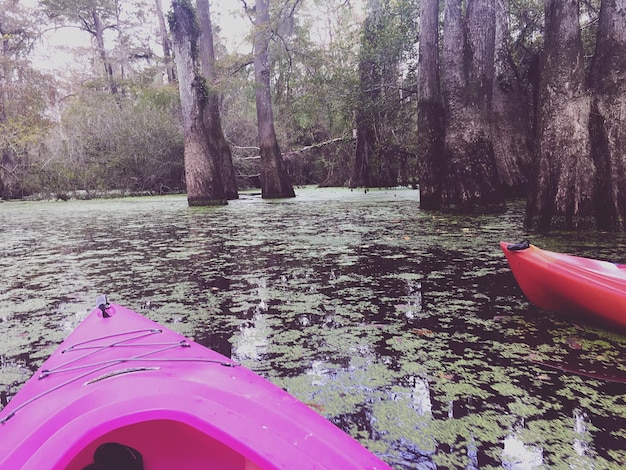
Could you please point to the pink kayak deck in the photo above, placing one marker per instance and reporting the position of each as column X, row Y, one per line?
column 127, row 379
column 570, row 285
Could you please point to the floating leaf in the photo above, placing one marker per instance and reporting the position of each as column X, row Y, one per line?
column 422, row 331
column 316, row 406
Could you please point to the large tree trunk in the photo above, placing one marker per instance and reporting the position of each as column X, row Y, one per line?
column 562, row 189
column 608, row 126
column 204, row 186
column 211, row 112
column 275, row 181
column 430, row 113
column 511, row 123
column 165, row 44
column 468, row 54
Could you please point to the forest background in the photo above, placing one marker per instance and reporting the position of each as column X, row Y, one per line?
column 472, row 101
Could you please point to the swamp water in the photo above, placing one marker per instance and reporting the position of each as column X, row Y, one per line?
column 404, row 328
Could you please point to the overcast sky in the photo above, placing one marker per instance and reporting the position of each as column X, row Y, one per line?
column 54, row 53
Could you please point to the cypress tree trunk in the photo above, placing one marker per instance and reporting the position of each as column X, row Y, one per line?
column 211, row 111
column 204, row 186
column 468, row 54
column 511, row 123
column 275, row 181
column 430, row 114
column 562, row 188
column 607, row 125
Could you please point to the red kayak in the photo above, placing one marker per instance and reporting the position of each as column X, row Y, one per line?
column 570, row 285
column 125, row 393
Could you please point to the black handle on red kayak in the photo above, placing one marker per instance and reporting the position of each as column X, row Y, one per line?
column 523, row 245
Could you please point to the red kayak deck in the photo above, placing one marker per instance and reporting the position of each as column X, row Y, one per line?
column 570, row 285
column 128, row 380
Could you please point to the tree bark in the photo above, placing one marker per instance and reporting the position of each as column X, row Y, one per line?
column 430, row 112
column 511, row 122
column 275, row 182
column 608, row 108
column 562, row 189
column 202, row 176
column 468, row 53
column 211, row 111
column 166, row 44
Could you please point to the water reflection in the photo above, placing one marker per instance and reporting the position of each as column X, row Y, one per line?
column 421, row 396
column 581, row 439
column 520, row 456
column 253, row 339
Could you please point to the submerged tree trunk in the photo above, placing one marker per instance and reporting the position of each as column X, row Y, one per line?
column 562, row 188
column 275, row 182
column 165, row 44
column 202, row 175
column 430, row 113
column 211, row 111
column 468, row 52
column 511, row 123
column 608, row 108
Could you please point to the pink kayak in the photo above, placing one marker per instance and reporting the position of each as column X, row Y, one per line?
column 123, row 392
column 570, row 285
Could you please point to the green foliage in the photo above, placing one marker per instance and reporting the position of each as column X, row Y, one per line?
column 182, row 19
column 384, row 98
column 24, row 95
column 104, row 143
column 78, row 12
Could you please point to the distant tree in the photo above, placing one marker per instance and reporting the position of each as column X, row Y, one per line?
column 211, row 111
column 430, row 112
column 368, row 115
column 608, row 122
column 387, row 48
column 166, row 44
column 202, row 172
column 275, row 182
column 312, row 69
column 24, row 96
column 562, row 188
column 471, row 181
column 92, row 16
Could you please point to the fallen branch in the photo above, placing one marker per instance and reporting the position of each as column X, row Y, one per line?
column 300, row 150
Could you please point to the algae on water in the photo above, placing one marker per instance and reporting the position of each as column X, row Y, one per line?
column 404, row 328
